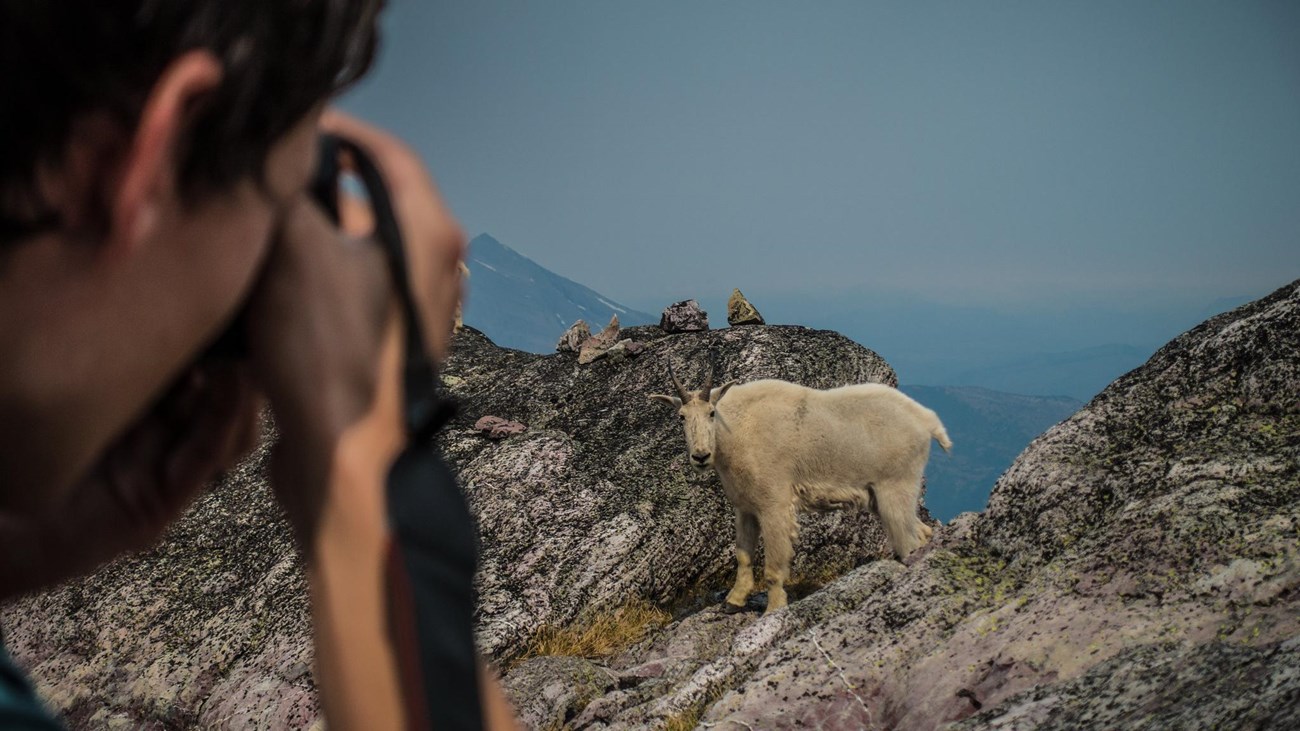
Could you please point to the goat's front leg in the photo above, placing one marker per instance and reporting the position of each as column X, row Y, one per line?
column 778, row 545
column 746, row 544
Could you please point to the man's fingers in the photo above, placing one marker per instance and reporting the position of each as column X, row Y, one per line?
column 399, row 163
column 435, row 244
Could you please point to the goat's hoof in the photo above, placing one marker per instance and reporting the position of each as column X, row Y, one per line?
column 729, row 608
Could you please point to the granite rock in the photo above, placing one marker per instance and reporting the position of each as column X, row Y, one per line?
column 682, row 317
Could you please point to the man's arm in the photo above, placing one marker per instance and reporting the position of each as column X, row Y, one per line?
column 327, row 345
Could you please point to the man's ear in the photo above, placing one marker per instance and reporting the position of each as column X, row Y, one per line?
column 148, row 171
column 673, row 401
column 716, row 394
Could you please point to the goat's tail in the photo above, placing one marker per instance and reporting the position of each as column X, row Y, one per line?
column 938, row 432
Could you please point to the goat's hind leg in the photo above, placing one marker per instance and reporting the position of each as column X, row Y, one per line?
column 895, row 503
column 746, row 544
column 778, row 546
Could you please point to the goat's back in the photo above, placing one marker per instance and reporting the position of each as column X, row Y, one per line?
column 786, row 425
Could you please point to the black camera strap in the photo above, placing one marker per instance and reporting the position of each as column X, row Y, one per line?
column 422, row 405
column 433, row 558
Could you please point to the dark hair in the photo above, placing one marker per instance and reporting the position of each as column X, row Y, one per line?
column 63, row 59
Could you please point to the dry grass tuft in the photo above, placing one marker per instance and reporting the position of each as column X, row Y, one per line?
column 685, row 721
column 602, row 634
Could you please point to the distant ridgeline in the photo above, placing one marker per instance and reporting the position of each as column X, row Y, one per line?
column 522, row 305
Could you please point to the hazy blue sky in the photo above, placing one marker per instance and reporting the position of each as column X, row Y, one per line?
column 975, row 153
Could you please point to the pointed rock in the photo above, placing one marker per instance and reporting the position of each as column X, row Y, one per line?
column 573, row 338
column 595, row 347
column 684, row 316
column 741, row 312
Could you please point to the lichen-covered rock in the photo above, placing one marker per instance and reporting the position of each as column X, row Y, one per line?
column 573, row 338
column 684, row 316
column 741, row 312
column 596, row 346
column 548, row 691
column 1217, row 685
column 494, row 427
column 1138, row 567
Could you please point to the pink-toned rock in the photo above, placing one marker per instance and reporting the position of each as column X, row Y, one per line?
column 494, row 427
column 684, row 316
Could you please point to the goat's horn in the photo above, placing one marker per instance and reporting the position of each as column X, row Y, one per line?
column 681, row 390
column 713, row 366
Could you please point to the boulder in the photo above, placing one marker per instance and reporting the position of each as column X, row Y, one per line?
column 208, row 629
column 573, row 338
column 684, row 316
column 741, row 312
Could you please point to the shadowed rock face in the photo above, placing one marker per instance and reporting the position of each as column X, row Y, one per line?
column 593, row 503
column 1137, row 565
column 209, row 629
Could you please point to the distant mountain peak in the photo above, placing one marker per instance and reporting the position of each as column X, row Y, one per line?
column 523, row 305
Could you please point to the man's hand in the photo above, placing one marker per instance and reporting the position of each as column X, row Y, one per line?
column 142, row 483
column 324, row 327
column 435, row 244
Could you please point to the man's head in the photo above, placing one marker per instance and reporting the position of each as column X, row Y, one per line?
column 147, row 148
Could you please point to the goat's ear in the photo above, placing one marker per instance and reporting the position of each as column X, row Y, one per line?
column 672, row 401
column 716, row 394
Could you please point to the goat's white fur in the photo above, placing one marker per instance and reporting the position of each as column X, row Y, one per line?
column 780, row 448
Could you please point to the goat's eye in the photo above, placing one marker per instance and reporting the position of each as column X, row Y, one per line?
column 711, row 413
column 683, row 416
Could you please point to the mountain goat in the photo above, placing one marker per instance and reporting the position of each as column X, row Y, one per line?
column 780, row 448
